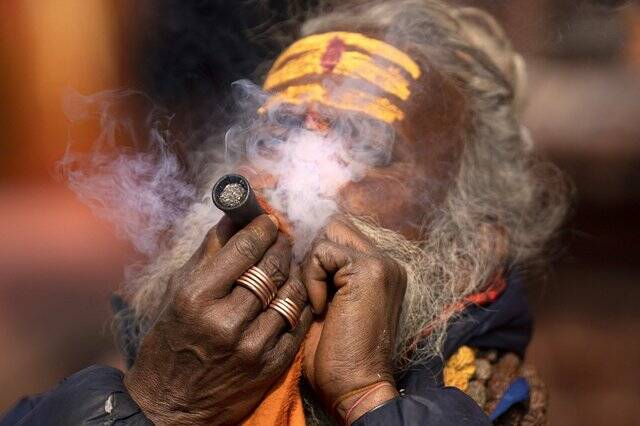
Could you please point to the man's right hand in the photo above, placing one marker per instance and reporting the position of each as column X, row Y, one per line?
column 214, row 352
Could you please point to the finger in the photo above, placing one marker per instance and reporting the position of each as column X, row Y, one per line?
column 216, row 238
column 285, row 350
column 242, row 251
column 325, row 258
column 342, row 231
column 275, row 264
column 270, row 324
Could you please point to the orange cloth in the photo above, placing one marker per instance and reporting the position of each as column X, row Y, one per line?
column 283, row 404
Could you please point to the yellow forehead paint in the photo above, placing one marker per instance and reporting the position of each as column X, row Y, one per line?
column 384, row 68
column 367, row 44
column 347, row 99
column 352, row 64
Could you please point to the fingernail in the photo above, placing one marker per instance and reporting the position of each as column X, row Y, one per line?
column 274, row 220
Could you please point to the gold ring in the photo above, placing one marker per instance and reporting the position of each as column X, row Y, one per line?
column 256, row 281
column 288, row 309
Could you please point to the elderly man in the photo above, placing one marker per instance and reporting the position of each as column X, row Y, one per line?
column 383, row 286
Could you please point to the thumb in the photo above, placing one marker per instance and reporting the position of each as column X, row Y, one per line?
column 325, row 260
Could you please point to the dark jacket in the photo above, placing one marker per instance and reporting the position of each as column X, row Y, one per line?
column 96, row 395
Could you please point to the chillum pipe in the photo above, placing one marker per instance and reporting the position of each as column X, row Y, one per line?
column 234, row 196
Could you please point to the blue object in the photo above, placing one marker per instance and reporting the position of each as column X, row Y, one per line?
column 517, row 392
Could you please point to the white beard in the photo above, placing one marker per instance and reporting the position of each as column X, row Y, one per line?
column 439, row 274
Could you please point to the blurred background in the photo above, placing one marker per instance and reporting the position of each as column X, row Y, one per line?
column 59, row 264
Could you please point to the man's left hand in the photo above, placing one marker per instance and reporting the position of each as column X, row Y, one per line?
column 350, row 352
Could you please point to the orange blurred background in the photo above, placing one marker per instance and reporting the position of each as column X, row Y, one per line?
column 59, row 264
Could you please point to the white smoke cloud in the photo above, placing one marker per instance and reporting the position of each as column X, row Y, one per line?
column 130, row 176
column 309, row 166
column 133, row 178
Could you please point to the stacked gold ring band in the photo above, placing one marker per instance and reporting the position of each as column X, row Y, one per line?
column 259, row 283
column 288, row 309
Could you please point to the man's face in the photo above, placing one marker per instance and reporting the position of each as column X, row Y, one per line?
column 404, row 169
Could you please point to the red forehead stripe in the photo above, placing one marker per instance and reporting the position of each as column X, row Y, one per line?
column 332, row 55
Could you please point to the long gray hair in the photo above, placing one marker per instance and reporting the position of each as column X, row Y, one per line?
column 505, row 202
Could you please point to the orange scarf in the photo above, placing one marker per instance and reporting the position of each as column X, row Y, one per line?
column 283, row 404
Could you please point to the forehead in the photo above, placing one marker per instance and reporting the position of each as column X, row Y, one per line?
column 346, row 71
column 338, row 73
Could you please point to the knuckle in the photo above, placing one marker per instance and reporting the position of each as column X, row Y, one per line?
column 275, row 268
column 249, row 351
column 225, row 330
column 322, row 247
column 262, row 228
column 297, row 291
column 385, row 272
column 247, row 245
column 185, row 302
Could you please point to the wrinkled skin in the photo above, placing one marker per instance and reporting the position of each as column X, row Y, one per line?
column 350, row 346
column 214, row 353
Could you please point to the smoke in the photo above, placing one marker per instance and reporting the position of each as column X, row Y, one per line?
column 130, row 175
column 133, row 177
column 309, row 157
